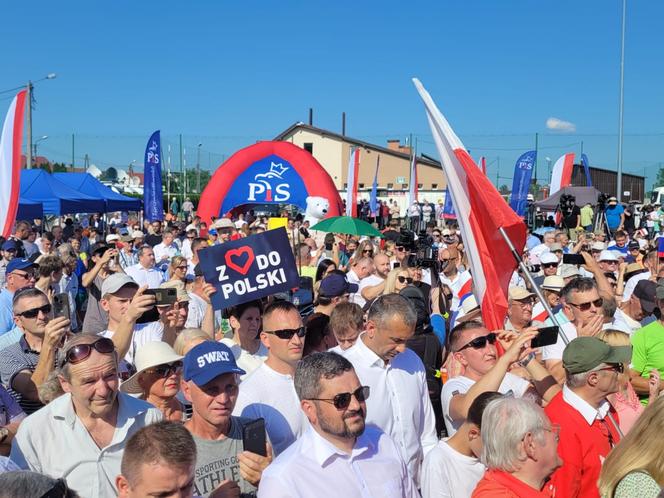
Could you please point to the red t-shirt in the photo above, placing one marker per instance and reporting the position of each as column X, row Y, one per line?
column 499, row 484
column 582, row 448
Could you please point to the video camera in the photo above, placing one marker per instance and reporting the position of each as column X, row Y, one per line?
column 421, row 250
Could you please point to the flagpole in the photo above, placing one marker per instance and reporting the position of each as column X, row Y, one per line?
column 621, row 109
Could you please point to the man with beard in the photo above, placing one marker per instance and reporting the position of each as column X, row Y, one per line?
column 337, row 453
column 372, row 286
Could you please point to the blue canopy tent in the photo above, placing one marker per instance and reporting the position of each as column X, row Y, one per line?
column 29, row 210
column 57, row 198
column 89, row 185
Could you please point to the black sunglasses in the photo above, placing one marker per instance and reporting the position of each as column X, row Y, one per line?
column 288, row 334
column 342, row 401
column 597, row 303
column 403, row 279
column 166, row 370
column 614, row 367
column 82, row 352
column 549, row 265
column 46, row 309
column 480, row 342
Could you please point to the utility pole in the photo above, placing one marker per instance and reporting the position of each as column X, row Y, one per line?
column 28, row 156
column 181, row 160
column 198, row 169
column 72, row 152
column 622, row 91
column 536, row 156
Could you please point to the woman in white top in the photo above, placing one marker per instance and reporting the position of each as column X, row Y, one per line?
column 245, row 320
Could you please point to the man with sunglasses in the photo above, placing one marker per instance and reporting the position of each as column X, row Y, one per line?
column 268, row 392
column 20, row 273
column 549, row 264
column 210, row 384
column 593, row 369
column 474, row 347
column 400, row 403
column 26, row 364
column 337, row 455
column 451, row 276
column 81, row 435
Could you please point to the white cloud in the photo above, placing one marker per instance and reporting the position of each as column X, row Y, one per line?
column 560, row 125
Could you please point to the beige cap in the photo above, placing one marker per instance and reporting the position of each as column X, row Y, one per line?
column 519, row 293
column 150, row 354
column 222, row 223
column 137, row 234
column 553, row 282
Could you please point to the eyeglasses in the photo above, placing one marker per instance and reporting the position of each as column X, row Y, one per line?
column 28, row 275
column 342, row 401
column 403, row 279
column 555, row 430
column 401, row 248
column 287, row 334
column 617, row 367
column 166, row 370
column 480, row 342
column 181, row 267
column 550, row 265
column 370, row 251
column 33, row 313
column 597, row 303
column 82, row 352
column 525, row 303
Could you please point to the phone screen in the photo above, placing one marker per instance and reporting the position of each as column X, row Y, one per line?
column 546, row 337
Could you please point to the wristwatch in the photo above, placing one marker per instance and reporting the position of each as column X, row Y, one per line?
column 4, row 432
column 523, row 363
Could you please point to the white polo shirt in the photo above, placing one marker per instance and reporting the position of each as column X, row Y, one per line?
column 270, row 395
column 398, row 402
column 54, row 441
column 151, row 277
column 312, row 466
column 161, row 250
column 446, row 473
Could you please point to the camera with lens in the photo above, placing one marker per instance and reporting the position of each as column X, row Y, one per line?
column 422, row 252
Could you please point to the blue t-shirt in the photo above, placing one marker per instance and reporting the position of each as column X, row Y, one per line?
column 613, row 216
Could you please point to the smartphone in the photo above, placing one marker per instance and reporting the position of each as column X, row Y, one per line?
column 546, row 337
column 253, row 437
column 163, row 297
column 573, row 259
column 61, row 306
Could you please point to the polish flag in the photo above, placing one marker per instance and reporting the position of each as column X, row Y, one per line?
column 10, row 163
column 561, row 175
column 351, row 189
column 480, row 212
column 483, row 164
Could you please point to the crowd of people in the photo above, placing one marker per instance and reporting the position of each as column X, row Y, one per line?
column 380, row 379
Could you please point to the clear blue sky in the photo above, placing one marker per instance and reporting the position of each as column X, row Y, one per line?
column 229, row 73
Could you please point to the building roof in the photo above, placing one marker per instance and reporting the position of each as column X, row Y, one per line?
column 354, row 141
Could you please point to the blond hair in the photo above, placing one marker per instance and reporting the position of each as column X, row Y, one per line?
column 640, row 450
column 391, row 279
column 187, row 339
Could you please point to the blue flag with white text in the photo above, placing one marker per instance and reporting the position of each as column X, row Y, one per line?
column 153, row 199
column 523, row 171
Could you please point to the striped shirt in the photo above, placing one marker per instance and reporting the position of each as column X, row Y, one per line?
column 14, row 359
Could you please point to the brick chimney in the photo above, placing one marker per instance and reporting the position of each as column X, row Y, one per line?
column 395, row 144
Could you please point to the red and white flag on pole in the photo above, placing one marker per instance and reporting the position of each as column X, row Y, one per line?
column 351, row 184
column 480, row 212
column 10, row 163
column 561, row 175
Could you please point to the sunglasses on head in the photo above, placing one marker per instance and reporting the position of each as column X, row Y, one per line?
column 166, row 370
column 82, row 352
column 597, row 303
column 46, row 309
column 288, row 333
column 480, row 342
column 403, row 279
column 342, row 401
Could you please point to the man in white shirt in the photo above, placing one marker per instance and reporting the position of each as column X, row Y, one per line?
column 400, row 403
column 81, row 435
column 372, row 286
column 145, row 273
column 474, row 347
column 360, row 269
column 451, row 276
column 268, row 392
column 650, row 263
column 453, row 467
column 166, row 249
column 641, row 304
column 337, row 455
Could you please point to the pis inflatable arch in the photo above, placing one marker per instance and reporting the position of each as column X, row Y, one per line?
column 270, row 173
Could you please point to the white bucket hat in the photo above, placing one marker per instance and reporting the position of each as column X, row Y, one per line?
column 149, row 355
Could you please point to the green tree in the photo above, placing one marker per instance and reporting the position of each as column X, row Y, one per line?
column 659, row 182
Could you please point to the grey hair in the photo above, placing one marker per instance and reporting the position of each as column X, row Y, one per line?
column 580, row 379
column 26, row 484
column 313, row 368
column 390, row 305
column 505, row 422
column 187, row 336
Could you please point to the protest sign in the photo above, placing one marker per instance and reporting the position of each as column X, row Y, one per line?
column 249, row 268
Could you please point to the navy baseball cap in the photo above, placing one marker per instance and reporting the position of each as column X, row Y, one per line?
column 20, row 264
column 9, row 245
column 209, row 360
column 336, row 285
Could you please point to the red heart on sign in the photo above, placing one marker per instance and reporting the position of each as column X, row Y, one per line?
column 238, row 254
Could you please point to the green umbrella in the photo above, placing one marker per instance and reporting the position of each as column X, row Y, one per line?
column 347, row 225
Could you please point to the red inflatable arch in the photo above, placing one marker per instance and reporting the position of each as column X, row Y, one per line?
column 268, row 173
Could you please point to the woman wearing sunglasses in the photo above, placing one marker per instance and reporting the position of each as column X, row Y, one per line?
column 177, row 269
column 397, row 280
column 157, row 379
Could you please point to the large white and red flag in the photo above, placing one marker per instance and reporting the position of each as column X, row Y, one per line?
column 351, row 182
column 561, row 175
column 10, row 163
column 480, row 211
